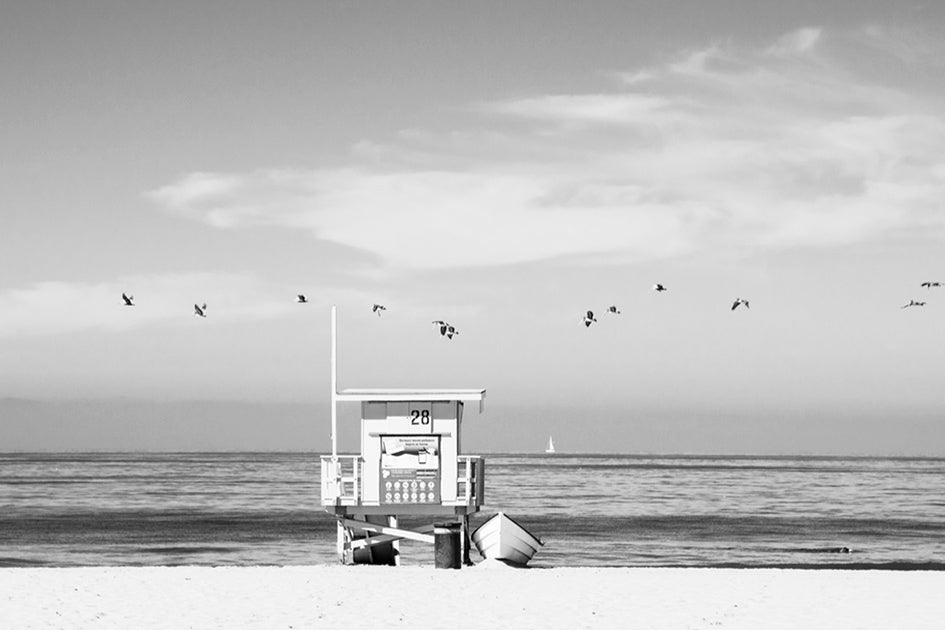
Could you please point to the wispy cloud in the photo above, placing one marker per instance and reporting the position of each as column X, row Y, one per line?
column 439, row 218
column 796, row 42
column 626, row 109
column 791, row 143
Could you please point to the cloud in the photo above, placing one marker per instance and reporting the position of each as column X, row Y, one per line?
column 55, row 307
column 796, row 42
column 728, row 148
column 425, row 219
column 597, row 108
column 696, row 62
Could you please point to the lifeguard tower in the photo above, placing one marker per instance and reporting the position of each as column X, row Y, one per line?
column 410, row 464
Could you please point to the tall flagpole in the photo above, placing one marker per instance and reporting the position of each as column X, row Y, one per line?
column 341, row 534
column 334, row 384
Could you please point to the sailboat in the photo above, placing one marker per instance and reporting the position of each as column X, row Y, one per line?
column 551, row 446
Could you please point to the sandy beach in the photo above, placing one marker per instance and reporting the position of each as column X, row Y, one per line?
column 484, row 596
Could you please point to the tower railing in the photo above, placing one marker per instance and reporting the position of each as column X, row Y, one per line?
column 341, row 480
column 470, row 480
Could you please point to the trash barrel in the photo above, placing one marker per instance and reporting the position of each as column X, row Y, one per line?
column 447, row 552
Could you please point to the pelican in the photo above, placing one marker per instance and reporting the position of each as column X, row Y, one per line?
column 913, row 303
column 589, row 318
column 613, row 309
column 929, row 285
column 301, row 299
column 199, row 310
column 658, row 287
column 739, row 301
column 378, row 308
column 129, row 299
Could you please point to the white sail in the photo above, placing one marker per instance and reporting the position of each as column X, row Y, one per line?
column 551, row 445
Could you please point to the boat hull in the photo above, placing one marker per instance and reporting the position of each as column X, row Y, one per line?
column 501, row 538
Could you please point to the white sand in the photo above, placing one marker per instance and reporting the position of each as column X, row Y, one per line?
column 475, row 597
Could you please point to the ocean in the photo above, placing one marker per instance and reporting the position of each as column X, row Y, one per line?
column 134, row 509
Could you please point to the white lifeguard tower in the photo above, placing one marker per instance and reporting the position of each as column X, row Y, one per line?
column 410, row 464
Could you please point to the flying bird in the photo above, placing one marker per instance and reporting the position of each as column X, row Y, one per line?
column 658, row 287
column 378, row 308
column 446, row 329
column 589, row 318
column 301, row 299
column 929, row 285
column 739, row 301
column 913, row 303
column 613, row 309
column 129, row 299
column 199, row 310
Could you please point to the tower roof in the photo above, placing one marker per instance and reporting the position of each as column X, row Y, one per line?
column 412, row 395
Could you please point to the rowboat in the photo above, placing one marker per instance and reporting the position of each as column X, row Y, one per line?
column 501, row 538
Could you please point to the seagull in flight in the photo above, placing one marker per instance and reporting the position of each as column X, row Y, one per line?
column 378, row 308
column 199, row 310
column 929, row 285
column 658, row 287
column 129, row 299
column 913, row 303
column 739, row 301
column 446, row 329
column 613, row 309
column 301, row 299
column 589, row 318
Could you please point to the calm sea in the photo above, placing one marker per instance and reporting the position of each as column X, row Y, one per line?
column 606, row 510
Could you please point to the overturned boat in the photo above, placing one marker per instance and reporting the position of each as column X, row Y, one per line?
column 501, row 538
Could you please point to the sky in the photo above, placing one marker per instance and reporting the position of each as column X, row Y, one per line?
column 504, row 167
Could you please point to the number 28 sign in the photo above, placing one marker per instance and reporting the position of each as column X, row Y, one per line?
column 421, row 419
